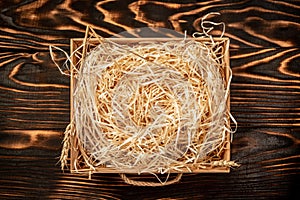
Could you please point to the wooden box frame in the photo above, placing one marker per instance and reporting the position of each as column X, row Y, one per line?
column 76, row 43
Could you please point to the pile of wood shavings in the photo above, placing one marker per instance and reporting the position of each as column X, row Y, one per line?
column 151, row 107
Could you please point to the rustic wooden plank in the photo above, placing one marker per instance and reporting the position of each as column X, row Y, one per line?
column 33, row 25
column 268, row 171
column 34, row 107
column 264, row 93
column 33, row 93
column 265, row 88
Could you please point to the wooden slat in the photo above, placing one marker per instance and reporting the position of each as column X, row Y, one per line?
column 268, row 170
column 33, row 25
column 33, row 93
column 265, row 91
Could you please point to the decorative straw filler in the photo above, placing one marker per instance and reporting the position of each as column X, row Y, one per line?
column 149, row 105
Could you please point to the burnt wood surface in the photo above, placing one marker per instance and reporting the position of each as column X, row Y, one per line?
column 265, row 96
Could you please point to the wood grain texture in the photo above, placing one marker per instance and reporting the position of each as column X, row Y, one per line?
column 28, row 25
column 265, row 96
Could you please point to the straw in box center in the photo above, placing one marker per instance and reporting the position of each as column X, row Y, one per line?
column 153, row 106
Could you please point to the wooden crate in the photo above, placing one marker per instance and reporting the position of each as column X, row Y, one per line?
column 76, row 43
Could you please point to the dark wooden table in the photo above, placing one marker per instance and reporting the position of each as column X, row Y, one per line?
column 265, row 96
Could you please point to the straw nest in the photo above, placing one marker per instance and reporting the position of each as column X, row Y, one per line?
column 151, row 106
